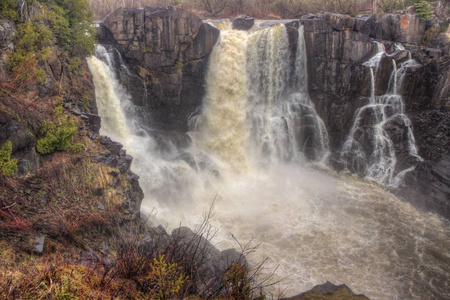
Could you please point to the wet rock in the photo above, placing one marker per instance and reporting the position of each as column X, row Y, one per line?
column 428, row 186
column 111, row 145
column 166, row 53
column 214, row 263
column 243, row 23
column 106, row 158
column 114, row 173
column 55, row 65
column 93, row 122
column 134, row 194
column 328, row 291
column 124, row 163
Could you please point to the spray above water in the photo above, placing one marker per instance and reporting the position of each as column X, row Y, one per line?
column 256, row 131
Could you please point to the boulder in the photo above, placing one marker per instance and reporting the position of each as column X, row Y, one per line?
column 329, row 291
column 243, row 23
column 39, row 244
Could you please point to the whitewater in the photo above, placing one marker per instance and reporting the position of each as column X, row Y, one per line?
column 258, row 156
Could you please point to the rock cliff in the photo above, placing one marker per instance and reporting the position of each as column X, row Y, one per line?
column 166, row 51
column 164, row 55
column 339, row 84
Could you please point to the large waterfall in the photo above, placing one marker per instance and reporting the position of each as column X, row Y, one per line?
column 257, row 149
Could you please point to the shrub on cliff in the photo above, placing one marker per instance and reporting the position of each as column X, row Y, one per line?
column 73, row 26
column 423, row 10
column 57, row 136
column 8, row 9
column 8, row 166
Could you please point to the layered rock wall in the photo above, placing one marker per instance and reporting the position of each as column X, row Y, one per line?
column 166, row 51
column 339, row 84
column 164, row 55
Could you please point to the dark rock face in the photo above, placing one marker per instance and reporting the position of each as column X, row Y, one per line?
column 339, row 85
column 164, row 53
column 117, row 157
column 243, row 23
column 404, row 28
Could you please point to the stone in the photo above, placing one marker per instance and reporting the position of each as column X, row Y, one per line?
column 124, row 163
column 405, row 28
column 328, row 291
column 101, row 206
column 111, row 145
column 93, row 122
column 243, row 23
column 39, row 244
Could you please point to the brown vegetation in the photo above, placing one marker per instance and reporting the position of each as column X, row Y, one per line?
column 256, row 8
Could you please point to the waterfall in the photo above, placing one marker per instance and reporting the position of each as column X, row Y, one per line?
column 250, row 144
column 370, row 149
column 225, row 102
column 268, row 115
column 108, row 95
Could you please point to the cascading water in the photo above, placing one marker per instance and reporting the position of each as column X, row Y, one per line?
column 314, row 225
column 370, row 149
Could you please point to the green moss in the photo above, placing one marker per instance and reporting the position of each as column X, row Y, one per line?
column 146, row 49
column 8, row 166
column 179, row 66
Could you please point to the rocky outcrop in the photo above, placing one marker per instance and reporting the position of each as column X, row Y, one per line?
column 243, row 23
column 117, row 157
column 164, row 53
column 23, row 144
column 328, row 291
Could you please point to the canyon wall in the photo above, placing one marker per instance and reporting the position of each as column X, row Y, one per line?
column 166, row 51
column 164, row 56
column 339, row 83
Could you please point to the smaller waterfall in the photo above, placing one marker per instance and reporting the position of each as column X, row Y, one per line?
column 381, row 131
column 285, row 124
column 108, row 93
column 393, row 78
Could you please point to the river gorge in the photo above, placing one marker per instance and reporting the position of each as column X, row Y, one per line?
column 308, row 136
